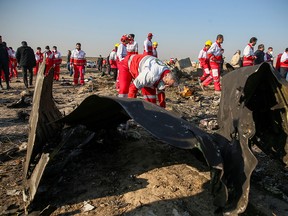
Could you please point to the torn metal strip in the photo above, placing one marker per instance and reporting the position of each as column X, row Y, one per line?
column 42, row 128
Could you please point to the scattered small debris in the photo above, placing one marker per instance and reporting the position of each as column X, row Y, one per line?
column 87, row 207
column 187, row 92
column 13, row 192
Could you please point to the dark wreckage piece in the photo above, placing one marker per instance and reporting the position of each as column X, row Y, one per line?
column 227, row 154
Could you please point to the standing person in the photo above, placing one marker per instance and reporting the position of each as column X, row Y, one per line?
column 214, row 53
column 154, row 49
column 222, row 61
column 121, row 54
column 248, row 53
column 284, row 64
column 204, row 61
column 13, row 63
column 260, row 55
column 149, row 74
column 69, row 68
column 49, row 60
column 4, row 64
column 9, row 62
column 108, row 65
column 39, row 59
column 132, row 46
column 57, row 63
column 236, row 59
column 277, row 65
column 78, row 62
column 100, row 65
column 113, row 61
column 269, row 55
column 122, row 48
column 26, row 59
column 148, row 45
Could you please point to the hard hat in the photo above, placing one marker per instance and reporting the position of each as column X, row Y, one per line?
column 155, row 43
column 117, row 45
column 208, row 43
column 150, row 35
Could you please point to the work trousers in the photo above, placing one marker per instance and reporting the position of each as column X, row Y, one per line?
column 25, row 70
column 79, row 70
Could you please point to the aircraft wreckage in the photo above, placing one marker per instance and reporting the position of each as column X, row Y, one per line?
column 253, row 110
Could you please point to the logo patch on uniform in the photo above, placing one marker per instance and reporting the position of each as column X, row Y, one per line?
column 159, row 62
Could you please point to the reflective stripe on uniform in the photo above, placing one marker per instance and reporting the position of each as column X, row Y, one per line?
column 149, row 96
column 129, row 60
column 123, row 95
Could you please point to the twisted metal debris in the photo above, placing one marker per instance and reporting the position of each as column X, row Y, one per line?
column 253, row 110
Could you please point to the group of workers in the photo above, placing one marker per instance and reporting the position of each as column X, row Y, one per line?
column 28, row 61
column 211, row 57
column 133, row 71
column 141, row 71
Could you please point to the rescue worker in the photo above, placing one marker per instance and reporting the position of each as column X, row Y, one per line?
column 78, row 62
column 154, row 49
column 57, row 63
column 204, row 61
column 113, row 61
column 39, row 60
column 132, row 46
column 148, row 45
column 248, row 53
column 214, row 54
column 13, row 63
column 49, row 60
column 284, row 64
column 277, row 66
column 122, row 48
column 149, row 74
column 121, row 54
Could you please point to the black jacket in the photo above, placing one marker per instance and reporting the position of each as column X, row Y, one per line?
column 260, row 57
column 4, row 58
column 25, row 56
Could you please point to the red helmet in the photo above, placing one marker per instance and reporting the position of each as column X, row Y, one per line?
column 150, row 35
column 124, row 38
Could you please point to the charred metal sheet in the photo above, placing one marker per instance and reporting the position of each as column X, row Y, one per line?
column 227, row 153
column 218, row 151
column 103, row 112
column 256, row 107
column 253, row 110
column 41, row 130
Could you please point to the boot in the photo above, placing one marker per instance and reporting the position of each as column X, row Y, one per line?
column 217, row 86
column 7, row 85
column 26, row 83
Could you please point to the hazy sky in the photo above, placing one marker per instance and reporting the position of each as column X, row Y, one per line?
column 180, row 27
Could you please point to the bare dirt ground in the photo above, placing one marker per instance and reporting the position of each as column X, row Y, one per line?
column 135, row 174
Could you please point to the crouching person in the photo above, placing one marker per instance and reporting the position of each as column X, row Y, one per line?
column 147, row 73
